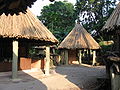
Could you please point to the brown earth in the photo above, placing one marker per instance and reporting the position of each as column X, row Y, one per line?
column 71, row 77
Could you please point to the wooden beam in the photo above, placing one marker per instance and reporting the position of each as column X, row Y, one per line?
column 94, row 57
column 80, row 57
column 66, row 57
column 15, row 60
column 47, row 63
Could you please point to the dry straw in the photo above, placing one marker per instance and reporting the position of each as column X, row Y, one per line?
column 79, row 38
column 24, row 26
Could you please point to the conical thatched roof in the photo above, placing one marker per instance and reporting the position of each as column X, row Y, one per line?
column 15, row 6
column 25, row 26
column 114, row 20
column 79, row 38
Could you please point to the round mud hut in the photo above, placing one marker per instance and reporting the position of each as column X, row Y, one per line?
column 74, row 44
column 17, row 34
column 112, row 58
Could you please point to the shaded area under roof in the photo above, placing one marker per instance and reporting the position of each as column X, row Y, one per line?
column 24, row 26
column 113, row 21
column 79, row 38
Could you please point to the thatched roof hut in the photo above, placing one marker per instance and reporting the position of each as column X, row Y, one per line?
column 79, row 38
column 113, row 21
column 112, row 59
column 112, row 27
column 25, row 26
column 17, row 34
column 15, row 6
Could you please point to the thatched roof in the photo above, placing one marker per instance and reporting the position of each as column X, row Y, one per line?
column 79, row 38
column 25, row 26
column 43, row 47
column 113, row 21
column 15, row 6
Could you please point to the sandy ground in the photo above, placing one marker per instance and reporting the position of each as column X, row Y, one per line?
column 71, row 77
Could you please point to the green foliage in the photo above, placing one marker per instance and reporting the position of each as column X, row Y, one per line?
column 31, row 51
column 94, row 13
column 59, row 18
column 105, row 47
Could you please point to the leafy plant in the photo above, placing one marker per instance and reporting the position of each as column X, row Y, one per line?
column 59, row 18
column 94, row 13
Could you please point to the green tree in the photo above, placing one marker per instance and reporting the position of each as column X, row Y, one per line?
column 94, row 13
column 59, row 18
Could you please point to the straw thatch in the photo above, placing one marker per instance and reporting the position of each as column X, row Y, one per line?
column 25, row 26
column 15, row 6
column 113, row 21
column 79, row 38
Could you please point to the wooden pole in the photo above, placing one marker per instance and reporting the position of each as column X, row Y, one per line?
column 59, row 58
column 66, row 57
column 80, row 57
column 53, row 50
column 115, row 80
column 89, row 55
column 15, row 60
column 94, row 57
column 47, row 64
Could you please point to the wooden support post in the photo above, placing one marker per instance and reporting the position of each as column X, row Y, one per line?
column 59, row 58
column 80, row 57
column 53, row 50
column 94, row 57
column 66, row 57
column 15, row 60
column 115, row 80
column 89, row 54
column 83, row 53
column 63, row 57
column 47, row 63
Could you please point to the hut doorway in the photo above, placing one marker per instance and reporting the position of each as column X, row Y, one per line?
column 72, row 56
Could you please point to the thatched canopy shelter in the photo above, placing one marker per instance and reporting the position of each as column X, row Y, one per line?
column 77, row 40
column 113, row 22
column 18, row 33
column 25, row 26
column 112, row 27
column 15, row 6
column 112, row 58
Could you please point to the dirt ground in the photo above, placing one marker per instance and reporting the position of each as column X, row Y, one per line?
column 71, row 77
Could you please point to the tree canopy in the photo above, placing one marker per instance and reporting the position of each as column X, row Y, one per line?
column 59, row 18
column 94, row 13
